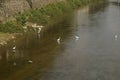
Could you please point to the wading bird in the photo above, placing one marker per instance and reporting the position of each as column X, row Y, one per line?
column 76, row 38
column 39, row 30
column 14, row 48
column 116, row 36
column 58, row 40
column 30, row 61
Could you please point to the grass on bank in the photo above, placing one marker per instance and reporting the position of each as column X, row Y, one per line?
column 46, row 15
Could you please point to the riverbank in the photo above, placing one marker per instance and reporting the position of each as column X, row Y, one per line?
column 45, row 16
column 5, row 37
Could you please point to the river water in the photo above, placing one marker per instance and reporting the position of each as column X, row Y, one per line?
column 95, row 55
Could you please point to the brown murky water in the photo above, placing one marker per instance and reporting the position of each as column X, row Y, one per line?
column 95, row 55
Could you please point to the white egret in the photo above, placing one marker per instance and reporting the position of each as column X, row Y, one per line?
column 58, row 40
column 39, row 30
column 34, row 25
column 14, row 48
column 76, row 38
column 30, row 61
column 41, row 26
column 25, row 28
column 116, row 36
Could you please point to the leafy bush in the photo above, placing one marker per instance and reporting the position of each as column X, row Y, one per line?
column 10, row 27
column 21, row 19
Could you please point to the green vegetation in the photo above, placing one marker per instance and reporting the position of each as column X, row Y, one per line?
column 11, row 27
column 46, row 15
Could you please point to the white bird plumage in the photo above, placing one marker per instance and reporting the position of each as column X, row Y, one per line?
column 39, row 30
column 30, row 61
column 34, row 25
column 37, row 26
column 76, row 38
column 116, row 36
column 58, row 40
column 14, row 48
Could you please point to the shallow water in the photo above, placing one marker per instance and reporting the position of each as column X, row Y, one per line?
column 94, row 56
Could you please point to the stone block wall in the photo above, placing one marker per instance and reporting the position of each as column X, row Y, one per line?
column 8, row 8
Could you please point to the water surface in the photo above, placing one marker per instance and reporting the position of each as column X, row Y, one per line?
column 95, row 56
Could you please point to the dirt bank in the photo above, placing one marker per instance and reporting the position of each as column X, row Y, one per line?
column 5, row 37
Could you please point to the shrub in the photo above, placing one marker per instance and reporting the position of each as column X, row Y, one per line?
column 21, row 19
column 10, row 27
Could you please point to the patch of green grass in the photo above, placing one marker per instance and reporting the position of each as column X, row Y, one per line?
column 21, row 19
column 10, row 27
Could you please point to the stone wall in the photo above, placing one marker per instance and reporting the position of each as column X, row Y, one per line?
column 8, row 8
